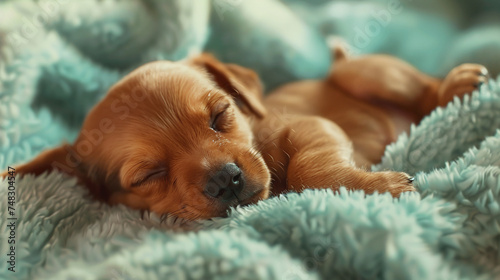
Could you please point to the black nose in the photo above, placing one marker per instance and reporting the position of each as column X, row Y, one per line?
column 226, row 183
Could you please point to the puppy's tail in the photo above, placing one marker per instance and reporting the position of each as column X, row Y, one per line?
column 339, row 48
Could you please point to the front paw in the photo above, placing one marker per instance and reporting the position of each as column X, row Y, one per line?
column 462, row 80
column 395, row 183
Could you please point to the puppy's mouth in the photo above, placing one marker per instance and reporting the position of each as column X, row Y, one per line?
column 253, row 198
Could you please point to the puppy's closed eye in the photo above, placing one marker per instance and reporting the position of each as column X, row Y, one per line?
column 220, row 118
column 148, row 175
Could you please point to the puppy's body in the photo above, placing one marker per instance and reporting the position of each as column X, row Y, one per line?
column 327, row 133
column 193, row 138
column 370, row 127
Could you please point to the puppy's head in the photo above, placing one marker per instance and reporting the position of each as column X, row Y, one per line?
column 171, row 137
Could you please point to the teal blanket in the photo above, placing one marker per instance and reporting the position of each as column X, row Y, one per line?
column 52, row 72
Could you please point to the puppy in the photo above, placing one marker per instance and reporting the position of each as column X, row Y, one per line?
column 193, row 138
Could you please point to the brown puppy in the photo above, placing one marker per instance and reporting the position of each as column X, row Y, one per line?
column 193, row 138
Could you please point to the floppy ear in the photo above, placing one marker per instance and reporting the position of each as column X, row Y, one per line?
column 48, row 160
column 62, row 158
column 240, row 82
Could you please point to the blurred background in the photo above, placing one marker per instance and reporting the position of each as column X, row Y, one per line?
column 59, row 57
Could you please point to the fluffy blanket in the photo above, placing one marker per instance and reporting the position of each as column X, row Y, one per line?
column 59, row 57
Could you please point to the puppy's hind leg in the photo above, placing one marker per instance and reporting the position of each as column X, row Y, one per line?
column 389, row 79
column 461, row 80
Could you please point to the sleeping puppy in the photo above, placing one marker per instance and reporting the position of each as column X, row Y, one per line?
column 193, row 138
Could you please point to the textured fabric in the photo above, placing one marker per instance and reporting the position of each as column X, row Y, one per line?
column 58, row 58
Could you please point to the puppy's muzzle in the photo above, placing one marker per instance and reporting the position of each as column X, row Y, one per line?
column 226, row 184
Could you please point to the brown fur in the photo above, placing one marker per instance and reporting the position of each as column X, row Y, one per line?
column 149, row 143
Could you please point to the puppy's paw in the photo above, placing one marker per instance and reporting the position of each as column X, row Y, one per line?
column 462, row 80
column 400, row 183
column 393, row 182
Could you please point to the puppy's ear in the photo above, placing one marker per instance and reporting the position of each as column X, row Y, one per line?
column 242, row 83
column 48, row 160
column 62, row 158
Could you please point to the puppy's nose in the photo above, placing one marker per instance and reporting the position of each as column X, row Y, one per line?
column 226, row 183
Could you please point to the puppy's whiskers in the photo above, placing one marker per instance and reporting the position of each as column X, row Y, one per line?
column 256, row 156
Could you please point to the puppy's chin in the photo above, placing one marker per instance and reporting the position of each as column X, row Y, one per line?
column 224, row 211
column 218, row 209
column 256, row 197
